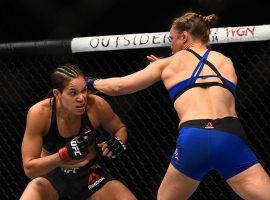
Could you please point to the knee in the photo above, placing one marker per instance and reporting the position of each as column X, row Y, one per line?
column 40, row 185
column 39, row 188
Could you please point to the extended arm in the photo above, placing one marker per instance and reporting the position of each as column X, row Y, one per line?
column 131, row 83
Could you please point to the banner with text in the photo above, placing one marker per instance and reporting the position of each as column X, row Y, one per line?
column 162, row 39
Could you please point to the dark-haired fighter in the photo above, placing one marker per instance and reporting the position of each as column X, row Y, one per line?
column 58, row 148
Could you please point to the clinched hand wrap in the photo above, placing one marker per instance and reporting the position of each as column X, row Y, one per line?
column 76, row 148
column 116, row 145
column 90, row 83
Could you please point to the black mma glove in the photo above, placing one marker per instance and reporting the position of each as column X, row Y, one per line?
column 75, row 149
column 116, row 145
column 90, row 83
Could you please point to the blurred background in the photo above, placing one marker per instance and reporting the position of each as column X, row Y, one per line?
column 29, row 20
column 24, row 79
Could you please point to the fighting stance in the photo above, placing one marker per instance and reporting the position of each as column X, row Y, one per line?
column 201, row 84
column 58, row 148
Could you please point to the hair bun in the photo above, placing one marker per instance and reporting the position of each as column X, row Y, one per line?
column 210, row 19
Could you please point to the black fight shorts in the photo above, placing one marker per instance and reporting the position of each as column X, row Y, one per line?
column 79, row 183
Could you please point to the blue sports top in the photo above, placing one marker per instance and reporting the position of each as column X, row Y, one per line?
column 179, row 88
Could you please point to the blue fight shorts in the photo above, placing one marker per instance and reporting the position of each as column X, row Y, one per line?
column 208, row 144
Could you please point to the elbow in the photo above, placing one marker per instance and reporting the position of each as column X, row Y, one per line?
column 29, row 171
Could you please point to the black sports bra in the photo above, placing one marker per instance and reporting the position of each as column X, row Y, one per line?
column 52, row 141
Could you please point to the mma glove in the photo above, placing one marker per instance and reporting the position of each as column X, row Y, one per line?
column 90, row 83
column 116, row 145
column 75, row 149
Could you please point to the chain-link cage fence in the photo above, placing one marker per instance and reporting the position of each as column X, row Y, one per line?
column 149, row 114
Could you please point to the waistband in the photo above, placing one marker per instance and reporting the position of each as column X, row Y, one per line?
column 80, row 170
column 226, row 124
column 204, row 122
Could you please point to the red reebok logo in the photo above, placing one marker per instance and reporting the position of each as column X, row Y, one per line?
column 209, row 125
column 93, row 177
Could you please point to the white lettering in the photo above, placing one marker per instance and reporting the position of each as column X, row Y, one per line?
column 69, row 170
column 76, row 148
column 96, row 183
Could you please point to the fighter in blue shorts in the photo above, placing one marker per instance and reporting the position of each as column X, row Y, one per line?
column 201, row 84
column 205, row 145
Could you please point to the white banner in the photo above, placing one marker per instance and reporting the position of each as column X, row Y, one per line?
column 239, row 34
column 161, row 39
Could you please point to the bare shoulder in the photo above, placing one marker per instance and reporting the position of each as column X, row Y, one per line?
column 180, row 54
column 99, row 109
column 226, row 65
column 220, row 56
column 38, row 118
column 221, row 60
column 41, row 109
column 96, row 102
column 160, row 64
